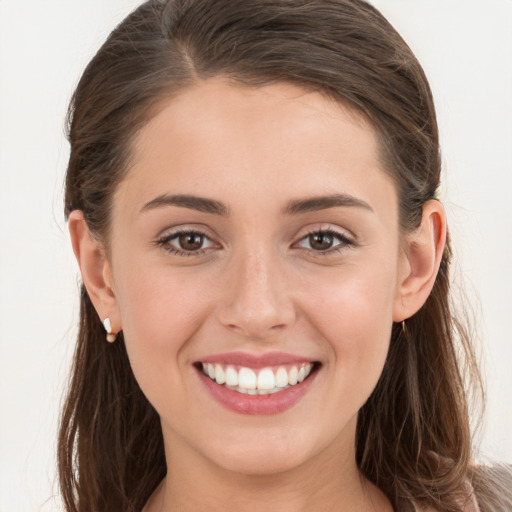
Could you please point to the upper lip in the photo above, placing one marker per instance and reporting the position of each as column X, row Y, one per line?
column 256, row 361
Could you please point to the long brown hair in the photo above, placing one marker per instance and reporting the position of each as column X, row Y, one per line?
column 413, row 435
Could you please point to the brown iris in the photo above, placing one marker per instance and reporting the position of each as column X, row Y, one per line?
column 191, row 241
column 321, row 241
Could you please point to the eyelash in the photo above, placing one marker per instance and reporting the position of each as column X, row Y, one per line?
column 165, row 241
column 344, row 240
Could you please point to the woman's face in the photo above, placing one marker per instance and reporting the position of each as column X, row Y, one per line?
column 256, row 234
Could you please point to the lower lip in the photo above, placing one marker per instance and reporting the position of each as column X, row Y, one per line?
column 257, row 404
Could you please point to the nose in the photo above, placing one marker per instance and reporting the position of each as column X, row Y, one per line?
column 257, row 302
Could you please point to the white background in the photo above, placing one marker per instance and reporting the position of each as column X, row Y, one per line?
column 467, row 54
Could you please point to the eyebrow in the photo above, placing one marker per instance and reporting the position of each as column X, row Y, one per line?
column 314, row 204
column 201, row 204
column 294, row 207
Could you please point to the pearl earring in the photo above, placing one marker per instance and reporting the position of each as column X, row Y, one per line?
column 111, row 336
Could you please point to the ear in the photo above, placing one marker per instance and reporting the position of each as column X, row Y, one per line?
column 423, row 252
column 95, row 269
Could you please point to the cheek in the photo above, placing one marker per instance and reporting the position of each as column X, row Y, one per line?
column 353, row 312
column 160, row 312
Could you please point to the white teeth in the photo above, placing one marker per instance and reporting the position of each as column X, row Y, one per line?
column 281, row 377
column 247, row 378
column 220, row 375
column 231, row 376
column 265, row 382
column 266, row 379
column 292, row 376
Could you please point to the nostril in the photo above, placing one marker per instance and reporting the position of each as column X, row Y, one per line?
column 258, row 326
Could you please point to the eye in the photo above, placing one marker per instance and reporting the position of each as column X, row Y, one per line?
column 186, row 242
column 326, row 240
column 190, row 241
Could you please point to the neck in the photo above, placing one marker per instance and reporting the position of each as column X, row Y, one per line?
column 329, row 482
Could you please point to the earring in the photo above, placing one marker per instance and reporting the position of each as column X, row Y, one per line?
column 404, row 329
column 111, row 336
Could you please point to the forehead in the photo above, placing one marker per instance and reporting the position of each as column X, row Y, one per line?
column 278, row 141
column 217, row 104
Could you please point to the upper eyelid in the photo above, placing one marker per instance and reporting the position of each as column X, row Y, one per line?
column 177, row 230
column 333, row 231
column 326, row 228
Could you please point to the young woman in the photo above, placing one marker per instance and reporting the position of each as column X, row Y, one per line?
column 265, row 319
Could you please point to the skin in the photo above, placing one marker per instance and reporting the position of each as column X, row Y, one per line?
column 259, row 285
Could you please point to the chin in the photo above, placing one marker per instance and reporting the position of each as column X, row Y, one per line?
column 262, row 463
column 266, row 455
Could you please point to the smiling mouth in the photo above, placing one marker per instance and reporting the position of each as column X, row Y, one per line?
column 264, row 381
